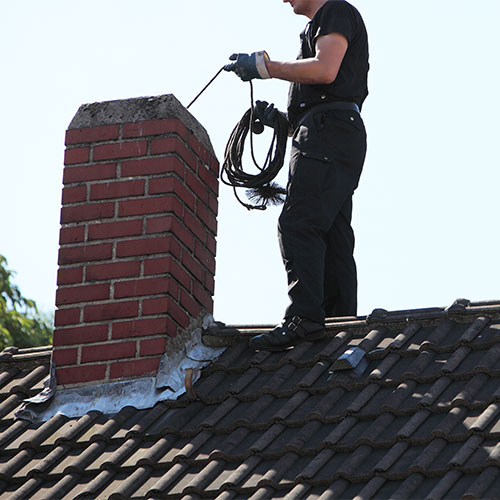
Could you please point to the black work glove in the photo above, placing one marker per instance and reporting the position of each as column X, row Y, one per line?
column 248, row 67
column 268, row 115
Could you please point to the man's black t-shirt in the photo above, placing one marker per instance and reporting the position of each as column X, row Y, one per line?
column 335, row 16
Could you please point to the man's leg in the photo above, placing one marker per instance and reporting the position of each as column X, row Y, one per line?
column 341, row 284
column 327, row 158
column 318, row 192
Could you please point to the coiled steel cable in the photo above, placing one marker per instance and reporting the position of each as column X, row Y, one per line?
column 259, row 186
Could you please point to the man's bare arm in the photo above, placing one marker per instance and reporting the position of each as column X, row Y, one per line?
column 322, row 69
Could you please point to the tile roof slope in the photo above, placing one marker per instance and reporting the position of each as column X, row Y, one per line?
column 421, row 421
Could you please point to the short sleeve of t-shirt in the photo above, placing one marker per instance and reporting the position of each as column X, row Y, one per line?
column 335, row 17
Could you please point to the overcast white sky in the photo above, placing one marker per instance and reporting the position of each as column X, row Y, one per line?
column 426, row 212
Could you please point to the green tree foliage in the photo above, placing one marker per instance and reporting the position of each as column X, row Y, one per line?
column 21, row 324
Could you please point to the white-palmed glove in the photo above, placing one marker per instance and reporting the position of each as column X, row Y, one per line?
column 249, row 66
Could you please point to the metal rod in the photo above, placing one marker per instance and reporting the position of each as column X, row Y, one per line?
column 205, row 87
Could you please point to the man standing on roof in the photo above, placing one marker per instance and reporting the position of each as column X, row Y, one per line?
column 328, row 88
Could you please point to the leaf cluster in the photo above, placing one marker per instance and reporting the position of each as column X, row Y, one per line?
column 21, row 323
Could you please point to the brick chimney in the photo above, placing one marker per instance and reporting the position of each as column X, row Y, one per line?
column 137, row 240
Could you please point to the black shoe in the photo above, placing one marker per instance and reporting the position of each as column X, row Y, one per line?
column 290, row 332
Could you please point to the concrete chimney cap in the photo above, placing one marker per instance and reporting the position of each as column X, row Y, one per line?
column 136, row 110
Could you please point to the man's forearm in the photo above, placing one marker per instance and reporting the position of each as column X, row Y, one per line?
column 308, row 71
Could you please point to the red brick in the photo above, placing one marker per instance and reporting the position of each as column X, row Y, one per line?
column 174, row 145
column 114, row 270
column 178, row 314
column 157, row 305
column 211, row 243
column 80, row 335
column 195, row 226
column 89, row 173
column 75, row 234
column 141, row 287
column 170, row 224
column 75, row 194
column 172, row 185
column 198, row 148
column 117, row 189
column 120, row 150
column 214, row 165
column 154, row 127
column 213, row 203
column 88, row 211
column 139, row 328
column 135, row 368
column 114, row 230
column 162, row 266
column 147, row 246
column 207, row 217
column 192, row 265
column 65, row 317
column 151, row 205
column 92, row 134
column 191, row 306
column 159, row 224
column 202, row 295
column 80, row 374
column 152, row 166
column 150, row 347
column 113, row 310
column 76, row 155
column 105, row 352
column 205, row 257
column 65, row 356
column 85, row 253
column 210, row 283
column 170, row 266
column 200, row 189
column 84, row 293
column 69, row 275
column 208, row 177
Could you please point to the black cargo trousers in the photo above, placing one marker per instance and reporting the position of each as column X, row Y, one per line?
column 315, row 234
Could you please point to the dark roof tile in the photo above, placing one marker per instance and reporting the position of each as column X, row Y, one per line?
column 12, row 432
column 404, row 457
column 411, row 484
column 88, row 487
column 366, row 490
column 443, row 485
column 436, row 456
column 34, row 488
column 168, row 479
column 31, row 382
column 43, row 462
column 33, row 438
column 152, row 451
column 15, row 464
column 124, row 485
column 491, row 493
column 482, row 483
column 9, row 405
column 421, row 420
column 7, row 375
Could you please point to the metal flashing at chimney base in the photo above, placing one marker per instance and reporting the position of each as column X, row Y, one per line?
column 169, row 383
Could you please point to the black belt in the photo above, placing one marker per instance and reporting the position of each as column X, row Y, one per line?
column 327, row 106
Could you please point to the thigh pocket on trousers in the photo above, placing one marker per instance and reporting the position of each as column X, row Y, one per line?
column 309, row 175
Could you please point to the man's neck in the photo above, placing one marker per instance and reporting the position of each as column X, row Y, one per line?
column 315, row 6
